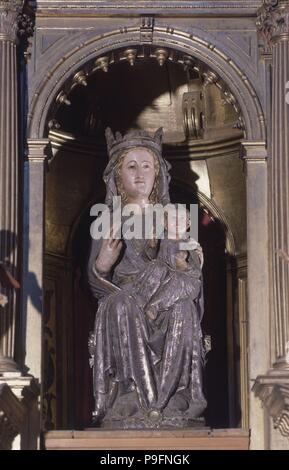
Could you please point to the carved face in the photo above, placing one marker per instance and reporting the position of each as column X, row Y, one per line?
column 138, row 174
column 177, row 222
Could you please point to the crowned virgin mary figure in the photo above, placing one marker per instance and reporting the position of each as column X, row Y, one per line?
column 147, row 370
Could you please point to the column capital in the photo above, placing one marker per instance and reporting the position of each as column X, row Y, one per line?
column 9, row 11
column 273, row 21
column 254, row 151
column 273, row 391
column 38, row 150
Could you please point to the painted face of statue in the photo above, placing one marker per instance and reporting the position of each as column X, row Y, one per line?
column 138, row 174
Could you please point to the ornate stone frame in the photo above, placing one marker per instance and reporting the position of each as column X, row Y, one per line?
column 49, row 83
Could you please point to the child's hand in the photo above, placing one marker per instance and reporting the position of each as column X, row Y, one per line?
column 151, row 313
column 181, row 260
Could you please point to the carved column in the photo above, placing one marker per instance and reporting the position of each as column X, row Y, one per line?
column 280, row 180
column 33, row 240
column 9, row 174
column 273, row 388
column 274, row 24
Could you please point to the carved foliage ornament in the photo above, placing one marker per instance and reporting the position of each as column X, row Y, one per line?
column 280, row 408
column 278, row 405
column 273, row 21
column 274, row 394
column 9, row 11
column 26, row 24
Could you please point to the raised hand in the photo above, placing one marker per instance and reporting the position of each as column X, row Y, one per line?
column 108, row 255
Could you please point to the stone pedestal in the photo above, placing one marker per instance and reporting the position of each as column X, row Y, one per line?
column 9, row 175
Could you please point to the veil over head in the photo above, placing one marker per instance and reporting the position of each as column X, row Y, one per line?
column 118, row 144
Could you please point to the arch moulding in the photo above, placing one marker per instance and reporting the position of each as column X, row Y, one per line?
column 50, row 84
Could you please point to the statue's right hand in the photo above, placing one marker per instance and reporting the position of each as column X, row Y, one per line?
column 108, row 254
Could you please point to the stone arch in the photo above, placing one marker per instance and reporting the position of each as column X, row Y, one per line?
column 204, row 49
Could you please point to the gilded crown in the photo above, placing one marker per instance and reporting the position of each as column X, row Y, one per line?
column 119, row 143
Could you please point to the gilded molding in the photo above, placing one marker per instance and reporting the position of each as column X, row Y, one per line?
column 273, row 21
column 9, row 11
column 161, row 54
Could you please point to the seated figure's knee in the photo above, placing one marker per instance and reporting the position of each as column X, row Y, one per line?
column 116, row 304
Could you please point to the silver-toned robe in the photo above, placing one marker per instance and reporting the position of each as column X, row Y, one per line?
column 147, row 372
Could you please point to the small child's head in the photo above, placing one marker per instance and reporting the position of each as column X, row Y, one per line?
column 177, row 221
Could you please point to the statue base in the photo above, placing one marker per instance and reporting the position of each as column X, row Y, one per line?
column 127, row 413
column 153, row 421
column 185, row 439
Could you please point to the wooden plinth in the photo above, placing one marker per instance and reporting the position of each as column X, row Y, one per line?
column 190, row 439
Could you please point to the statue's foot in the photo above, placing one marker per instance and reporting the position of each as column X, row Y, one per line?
column 179, row 402
column 97, row 418
column 100, row 409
